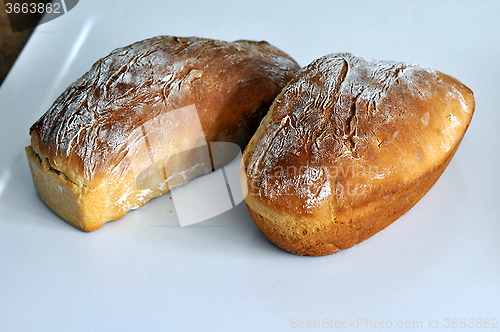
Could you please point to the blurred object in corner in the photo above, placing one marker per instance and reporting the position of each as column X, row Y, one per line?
column 11, row 43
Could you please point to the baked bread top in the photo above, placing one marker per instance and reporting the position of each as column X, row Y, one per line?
column 86, row 134
column 348, row 131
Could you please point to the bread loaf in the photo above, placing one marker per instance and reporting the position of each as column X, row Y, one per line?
column 348, row 147
column 140, row 122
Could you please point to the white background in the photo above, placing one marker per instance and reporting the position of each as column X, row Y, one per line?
column 146, row 273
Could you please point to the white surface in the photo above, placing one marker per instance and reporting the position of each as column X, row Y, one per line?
column 146, row 273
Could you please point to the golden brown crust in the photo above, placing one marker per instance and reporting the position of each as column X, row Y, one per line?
column 94, row 133
column 231, row 84
column 348, row 147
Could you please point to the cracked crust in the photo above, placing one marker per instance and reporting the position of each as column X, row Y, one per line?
column 348, row 147
column 127, row 121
